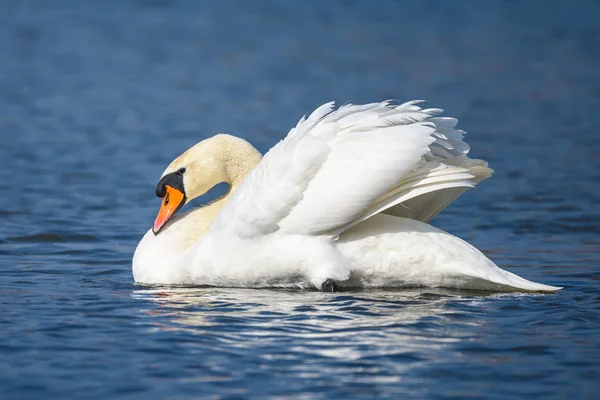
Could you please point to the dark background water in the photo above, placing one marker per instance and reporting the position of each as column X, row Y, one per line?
column 96, row 98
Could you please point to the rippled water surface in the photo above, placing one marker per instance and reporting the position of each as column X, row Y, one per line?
column 97, row 97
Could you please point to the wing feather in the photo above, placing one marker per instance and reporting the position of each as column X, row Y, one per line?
column 338, row 167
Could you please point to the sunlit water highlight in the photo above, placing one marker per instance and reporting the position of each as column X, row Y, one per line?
column 97, row 97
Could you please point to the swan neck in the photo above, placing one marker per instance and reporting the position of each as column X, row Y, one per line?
column 239, row 158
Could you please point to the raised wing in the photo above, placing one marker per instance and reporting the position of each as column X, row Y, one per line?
column 336, row 168
column 441, row 176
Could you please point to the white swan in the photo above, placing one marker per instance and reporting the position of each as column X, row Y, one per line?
column 343, row 200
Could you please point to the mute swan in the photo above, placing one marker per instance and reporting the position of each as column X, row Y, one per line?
column 343, row 200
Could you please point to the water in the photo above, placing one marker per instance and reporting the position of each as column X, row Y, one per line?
column 97, row 97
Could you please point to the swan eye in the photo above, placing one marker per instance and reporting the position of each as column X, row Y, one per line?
column 167, row 199
column 181, row 171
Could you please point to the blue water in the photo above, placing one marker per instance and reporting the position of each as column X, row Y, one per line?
column 96, row 98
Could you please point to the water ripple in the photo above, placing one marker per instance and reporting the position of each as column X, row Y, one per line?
column 98, row 97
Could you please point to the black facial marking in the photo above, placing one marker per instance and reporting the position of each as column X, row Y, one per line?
column 174, row 179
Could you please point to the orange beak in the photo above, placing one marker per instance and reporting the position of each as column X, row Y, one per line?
column 171, row 203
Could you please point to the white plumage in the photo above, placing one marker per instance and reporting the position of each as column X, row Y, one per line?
column 344, row 196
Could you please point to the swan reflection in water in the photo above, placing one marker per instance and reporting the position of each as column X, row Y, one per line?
column 348, row 326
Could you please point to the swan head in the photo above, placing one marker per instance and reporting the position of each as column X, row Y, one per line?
column 221, row 158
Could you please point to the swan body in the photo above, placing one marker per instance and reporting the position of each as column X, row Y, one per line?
column 346, row 196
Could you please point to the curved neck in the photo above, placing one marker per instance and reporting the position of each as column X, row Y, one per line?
column 238, row 158
column 222, row 158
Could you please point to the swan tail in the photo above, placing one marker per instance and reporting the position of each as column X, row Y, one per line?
column 496, row 279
